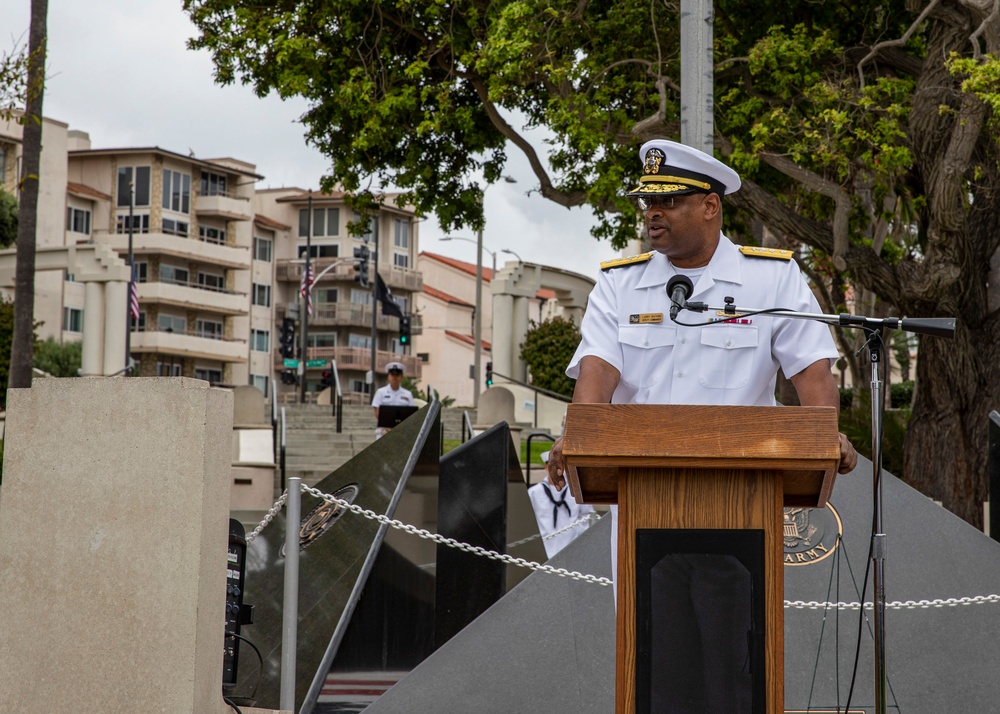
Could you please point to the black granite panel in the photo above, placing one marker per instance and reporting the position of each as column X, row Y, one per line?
column 338, row 550
column 472, row 509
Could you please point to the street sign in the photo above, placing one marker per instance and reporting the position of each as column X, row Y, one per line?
column 316, row 363
column 291, row 363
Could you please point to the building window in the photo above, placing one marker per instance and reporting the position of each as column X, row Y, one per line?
column 175, row 228
column 360, row 297
column 141, row 176
column 171, row 323
column 326, row 222
column 78, row 220
column 168, row 369
column 262, row 295
column 208, row 234
column 363, row 341
column 370, row 228
column 322, row 339
column 212, row 281
column 261, row 382
column 260, row 340
column 360, row 386
column 401, row 233
column 400, row 260
column 262, row 249
column 328, row 250
column 72, row 319
column 140, row 324
column 176, row 191
column 424, row 357
column 213, row 184
column 209, row 329
column 140, row 223
column 325, row 295
column 141, row 272
column 212, row 376
column 171, row 274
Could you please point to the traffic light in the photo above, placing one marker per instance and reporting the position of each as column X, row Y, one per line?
column 489, row 374
column 326, row 380
column 289, row 377
column 286, row 339
column 361, row 253
column 404, row 330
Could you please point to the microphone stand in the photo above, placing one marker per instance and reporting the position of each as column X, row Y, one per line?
column 873, row 328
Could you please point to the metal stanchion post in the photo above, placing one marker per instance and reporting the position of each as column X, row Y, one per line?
column 290, row 609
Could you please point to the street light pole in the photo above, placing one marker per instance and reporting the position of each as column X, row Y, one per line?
column 477, row 324
column 305, row 295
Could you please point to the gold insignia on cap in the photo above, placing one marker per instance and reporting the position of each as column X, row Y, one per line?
column 757, row 252
column 631, row 260
column 654, row 157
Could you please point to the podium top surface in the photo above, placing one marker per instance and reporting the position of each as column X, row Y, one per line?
column 602, row 439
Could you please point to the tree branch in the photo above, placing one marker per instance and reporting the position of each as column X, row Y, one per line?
column 816, row 183
column 894, row 43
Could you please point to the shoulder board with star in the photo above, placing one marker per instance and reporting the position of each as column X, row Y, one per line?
column 757, row 252
column 631, row 260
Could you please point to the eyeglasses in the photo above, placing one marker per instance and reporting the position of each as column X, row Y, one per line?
column 646, row 203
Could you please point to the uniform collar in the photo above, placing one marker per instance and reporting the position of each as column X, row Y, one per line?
column 723, row 267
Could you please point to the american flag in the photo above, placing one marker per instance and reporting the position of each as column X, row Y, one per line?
column 133, row 297
column 305, row 290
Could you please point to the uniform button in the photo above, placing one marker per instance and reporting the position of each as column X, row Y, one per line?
column 645, row 343
column 683, row 340
column 680, row 375
column 729, row 343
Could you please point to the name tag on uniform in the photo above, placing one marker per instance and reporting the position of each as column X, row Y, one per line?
column 645, row 318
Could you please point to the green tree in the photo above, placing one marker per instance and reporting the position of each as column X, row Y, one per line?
column 867, row 134
column 59, row 359
column 8, row 219
column 547, row 349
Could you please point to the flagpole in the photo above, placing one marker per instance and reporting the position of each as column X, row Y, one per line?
column 306, row 283
column 131, row 270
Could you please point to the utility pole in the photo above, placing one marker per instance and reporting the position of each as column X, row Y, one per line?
column 697, row 75
column 374, row 284
column 305, row 289
column 131, row 269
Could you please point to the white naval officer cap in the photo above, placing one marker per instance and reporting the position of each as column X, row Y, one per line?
column 545, row 457
column 669, row 168
column 394, row 366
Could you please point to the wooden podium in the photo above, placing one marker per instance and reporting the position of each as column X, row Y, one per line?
column 701, row 468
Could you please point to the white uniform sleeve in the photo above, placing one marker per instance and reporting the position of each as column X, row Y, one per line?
column 599, row 329
column 798, row 343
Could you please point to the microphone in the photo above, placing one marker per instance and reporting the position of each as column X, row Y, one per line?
column 679, row 287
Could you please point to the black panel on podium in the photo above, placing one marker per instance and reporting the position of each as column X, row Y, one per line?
column 700, row 621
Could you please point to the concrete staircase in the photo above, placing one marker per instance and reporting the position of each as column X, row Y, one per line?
column 313, row 448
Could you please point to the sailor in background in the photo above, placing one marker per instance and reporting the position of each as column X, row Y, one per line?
column 393, row 393
column 555, row 508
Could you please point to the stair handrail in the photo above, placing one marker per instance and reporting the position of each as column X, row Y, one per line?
column 338, row 403
column 537, row 390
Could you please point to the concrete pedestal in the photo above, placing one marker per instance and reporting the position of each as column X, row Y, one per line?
column 114, row 516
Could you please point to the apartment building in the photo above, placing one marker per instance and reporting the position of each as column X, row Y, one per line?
column 218, row 264
column 340, row 328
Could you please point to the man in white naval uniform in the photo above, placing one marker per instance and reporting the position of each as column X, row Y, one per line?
column 393, row 393
column 632, row 353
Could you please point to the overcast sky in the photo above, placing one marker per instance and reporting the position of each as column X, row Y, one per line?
column 120, row 71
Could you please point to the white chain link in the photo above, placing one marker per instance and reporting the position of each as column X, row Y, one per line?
column 579, row 522
column 521, row 562
column 268, row 518
column 895, row 605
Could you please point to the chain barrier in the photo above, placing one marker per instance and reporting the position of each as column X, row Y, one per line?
column 575, row 575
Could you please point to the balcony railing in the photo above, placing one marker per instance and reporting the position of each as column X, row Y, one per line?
column 186, row 294
column 189, row 343
column 188, row 246
column 358, row 359
column 224, row 205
